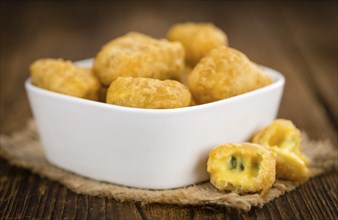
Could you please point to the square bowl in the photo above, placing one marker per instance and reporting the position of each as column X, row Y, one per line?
column 146, row 148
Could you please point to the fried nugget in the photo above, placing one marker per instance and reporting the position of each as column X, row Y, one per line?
column 197, row 38
column 242, row 167
column 223, row 73
column 64, row 77
column 148, row 93
column 138, row 55
column 283, row 137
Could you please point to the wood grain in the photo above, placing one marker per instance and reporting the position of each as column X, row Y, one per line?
column 297, row 38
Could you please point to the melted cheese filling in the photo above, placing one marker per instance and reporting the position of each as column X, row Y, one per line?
column 284, row 138
column 239, row 169
column 290, row 157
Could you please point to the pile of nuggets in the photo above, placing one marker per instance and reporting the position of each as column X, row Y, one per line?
column 193, row 66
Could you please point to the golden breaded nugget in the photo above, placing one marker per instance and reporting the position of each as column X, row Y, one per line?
column 283, row 137
column 138, row 55
column 148, row 93
column 197, row 38
column 223, row 73
column 64, row 77
column 242, row 167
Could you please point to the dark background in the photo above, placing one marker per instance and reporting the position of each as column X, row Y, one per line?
column 297, row 38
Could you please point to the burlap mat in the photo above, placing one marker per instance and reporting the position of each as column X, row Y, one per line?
column 23, row 149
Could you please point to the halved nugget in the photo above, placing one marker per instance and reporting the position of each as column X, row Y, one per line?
column 242, row 167
column 283, row 137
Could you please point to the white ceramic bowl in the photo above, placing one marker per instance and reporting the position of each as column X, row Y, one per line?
column 146, row 148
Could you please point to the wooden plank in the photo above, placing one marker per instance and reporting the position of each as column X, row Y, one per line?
column 12, row 193
column 70, row 210
column 158, row 211
column 5, row 183
column 279, row 53
column 317, row 198
column 53, row 191
column 316, row 43
column 212, row 212
column 121, row 210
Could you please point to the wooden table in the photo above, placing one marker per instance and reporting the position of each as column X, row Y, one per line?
column 298, row 39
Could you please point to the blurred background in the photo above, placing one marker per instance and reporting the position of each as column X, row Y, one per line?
column 297, row 38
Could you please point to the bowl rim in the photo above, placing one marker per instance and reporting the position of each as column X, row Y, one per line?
column 278, row 81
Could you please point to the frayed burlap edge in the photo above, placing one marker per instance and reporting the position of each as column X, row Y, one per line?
column 23, row 149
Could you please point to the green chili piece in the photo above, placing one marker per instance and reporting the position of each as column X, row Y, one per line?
column 241, row 167
column 233, row 163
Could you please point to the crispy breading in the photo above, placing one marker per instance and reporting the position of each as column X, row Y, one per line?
column 223, row 73
column 242, row 167
column 138, row 55
column 64, row 77
column 197, row 38
column 148, row 93
column 283, row 137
